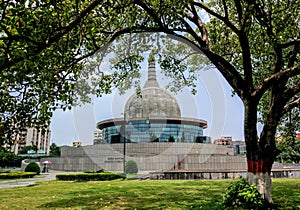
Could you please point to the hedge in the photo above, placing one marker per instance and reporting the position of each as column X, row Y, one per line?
column 17, row 175
column 103, row 176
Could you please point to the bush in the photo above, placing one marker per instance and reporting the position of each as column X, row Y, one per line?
column 33, row 167
column 17, row 175
column 131, row 167
column 240, row 194
column 104, row 176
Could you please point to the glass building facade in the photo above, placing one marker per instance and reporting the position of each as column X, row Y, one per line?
column 146, row 131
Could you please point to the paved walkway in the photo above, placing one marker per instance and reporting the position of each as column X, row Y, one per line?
column 31, row 181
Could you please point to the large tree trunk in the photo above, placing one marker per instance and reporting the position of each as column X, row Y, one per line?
column 258, row 176
column 260, row 151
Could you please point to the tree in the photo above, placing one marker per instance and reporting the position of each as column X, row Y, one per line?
column 153, row 138
column 253, row 44
column 25, row 149
column 9, row 159
column 171, row 139
column 289, row 150
column 54, row 150
column 131, row 167
column 287, row 142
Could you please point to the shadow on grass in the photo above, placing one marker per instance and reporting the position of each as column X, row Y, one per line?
column 184, row 195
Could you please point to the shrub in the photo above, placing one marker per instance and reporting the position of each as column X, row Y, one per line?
column 99, row 171
column 17, row 175
column 33, row 167
column 240, row 194
column 131, row 167
column 104, row 176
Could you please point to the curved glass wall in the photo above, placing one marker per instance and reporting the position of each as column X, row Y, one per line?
column 144, row 131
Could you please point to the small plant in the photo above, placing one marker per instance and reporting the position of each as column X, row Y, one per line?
column 33, row 167
column 240, row 194
column 131, row 167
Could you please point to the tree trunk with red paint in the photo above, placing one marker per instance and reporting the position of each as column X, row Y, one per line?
column 259, row 174
column 261, row 151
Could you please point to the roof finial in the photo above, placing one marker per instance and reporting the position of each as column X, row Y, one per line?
column 151, row 56
column 151, row 82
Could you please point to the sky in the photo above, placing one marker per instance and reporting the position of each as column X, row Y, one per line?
column 213, row 102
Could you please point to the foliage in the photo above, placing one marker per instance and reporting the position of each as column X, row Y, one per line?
column 54, row 150
column 103, row 176
column 33, row 167
column 9, row 159
column 290, row 123
column 40, row 54
column 131, row 167
column 289, row 149
column 153, row 138
column 242, row 195
column 171, row 139
column 17, row 175
column 287, row 142
column 25, row 149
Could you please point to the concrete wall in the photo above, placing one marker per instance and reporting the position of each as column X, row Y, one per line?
column 149, row 157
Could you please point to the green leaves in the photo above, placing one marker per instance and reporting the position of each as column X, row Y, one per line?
column 240, row 194
column 39, row 68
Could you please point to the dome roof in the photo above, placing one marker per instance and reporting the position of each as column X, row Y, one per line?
column 154, row 102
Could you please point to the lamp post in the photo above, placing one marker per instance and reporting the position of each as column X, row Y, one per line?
column 124, row 143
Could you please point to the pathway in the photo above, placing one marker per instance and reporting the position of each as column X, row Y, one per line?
column 31, row 181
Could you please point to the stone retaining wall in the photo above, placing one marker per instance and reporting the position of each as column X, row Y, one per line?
column 149, row 157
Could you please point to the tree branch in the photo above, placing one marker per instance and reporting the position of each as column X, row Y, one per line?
column 198, row 22
column 289, row 106
column 19, row 38
column 244, row 42
column 57, row 36
column 230, row 73
column 291, row 92
column 289, row 44
column 239, row 10
column 293, row 54
column 224, row 19
column 150, row 11
column 276, row 77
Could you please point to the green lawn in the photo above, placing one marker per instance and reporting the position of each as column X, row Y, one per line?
column 204, row 194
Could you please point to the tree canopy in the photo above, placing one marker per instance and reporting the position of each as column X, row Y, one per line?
column 253, row 44
column 54, row 150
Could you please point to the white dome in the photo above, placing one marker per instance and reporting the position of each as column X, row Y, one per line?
column 154, row 102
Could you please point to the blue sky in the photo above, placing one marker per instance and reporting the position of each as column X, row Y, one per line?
column 213, row 103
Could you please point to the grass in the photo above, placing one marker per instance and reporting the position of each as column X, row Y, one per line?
column 179, row 194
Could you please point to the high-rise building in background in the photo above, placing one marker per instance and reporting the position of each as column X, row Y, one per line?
column 32, row 137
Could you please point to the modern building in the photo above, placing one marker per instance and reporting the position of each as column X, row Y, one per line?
column 32, row 137
column 224, row 140
column 98, row 137
column 240, row 147
column 152, row 116
column 154, row 135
